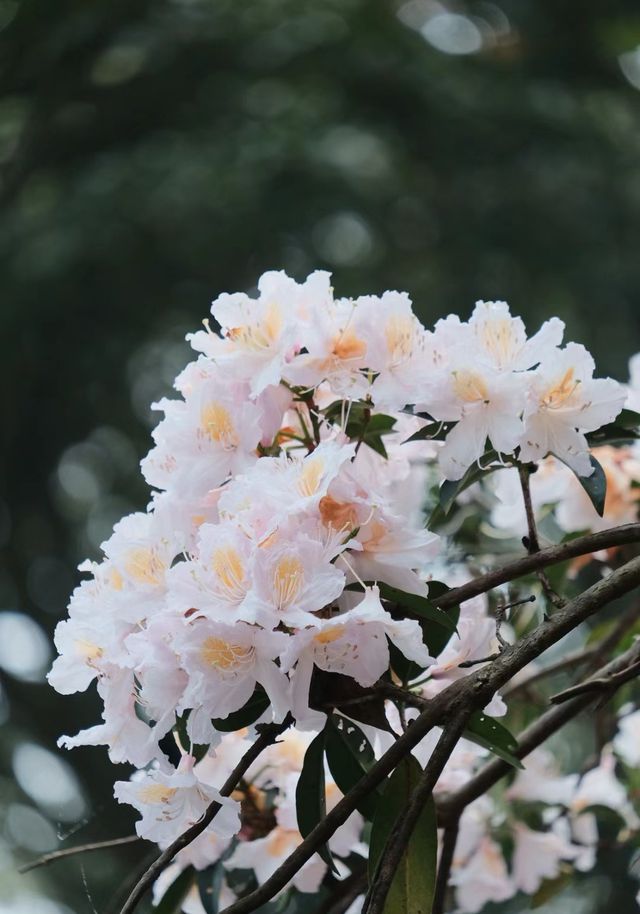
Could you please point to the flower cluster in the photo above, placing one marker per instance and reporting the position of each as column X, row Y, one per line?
column 286, row 520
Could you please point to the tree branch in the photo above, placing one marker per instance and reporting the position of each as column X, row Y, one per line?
column 54, row 856
column 607, row 683
column 465, row 695
column 400, row 834
column 582, row 545
column 451, row 806
column 447, row 853
column 268, row 735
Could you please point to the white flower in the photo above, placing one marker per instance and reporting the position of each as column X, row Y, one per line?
column 171, row 802
column 483, row 878
column 564, row 402
column 627, row 740
column 502, row 341
column 538, row 856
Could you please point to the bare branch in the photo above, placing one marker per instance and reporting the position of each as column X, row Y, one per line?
column 447, row 853
column 575, row 659
column 463, row 696
column 451, row 806
column 268, row 735
column 54, row 856
column 583, row 545
column 604, row 684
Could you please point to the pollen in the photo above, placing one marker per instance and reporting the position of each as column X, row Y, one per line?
column 561, row 391
column 260, row 335
column 329, row 635
column 217, row 424
column 310, row 477
column 499, row 339
column 228, row 566
column 470, row 387
column 288, row 578
column 145, row 567
column 347, row 346
column 399, row 334
column 87, row 649
column 225, row 656
column 337, row 514
column 156, row 793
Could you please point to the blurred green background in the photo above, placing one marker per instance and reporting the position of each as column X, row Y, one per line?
column 157, row 152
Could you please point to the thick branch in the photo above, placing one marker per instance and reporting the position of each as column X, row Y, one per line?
column 583, row 545
column 450, row 807
column 268, row 735
column 461, row 697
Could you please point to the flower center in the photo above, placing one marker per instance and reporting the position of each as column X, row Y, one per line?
column 228, row 566
column 470, row 387
column 216, row 422
column 145, row 567
column 225, row 656
column 559, row 393
column 288, row 579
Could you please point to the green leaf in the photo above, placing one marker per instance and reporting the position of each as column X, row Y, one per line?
column 350, row 756
column 411, row 891
column 552, row 887
column 311, row 801
column 438, row 638
column 451, row 488
column 210, row 883
column 625, row 427
column 494, row 736
column 248, row 714
column 434, row 431
column 417, row 606
column 595, row 485
column 171, row 901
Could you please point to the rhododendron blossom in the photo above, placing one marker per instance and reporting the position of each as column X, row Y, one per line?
column 286, row 589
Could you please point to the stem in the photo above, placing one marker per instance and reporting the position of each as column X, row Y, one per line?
column 532, row 542
column 268, row 735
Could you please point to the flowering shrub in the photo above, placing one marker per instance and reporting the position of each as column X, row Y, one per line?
column 272, row 642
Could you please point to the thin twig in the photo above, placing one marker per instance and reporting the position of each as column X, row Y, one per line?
column 577, row 658
column 553, row 555
column 447, row 852
column 465, row 695
column 268, row 735
column 531, row 542
column 346, row 893
column 54, row 856
column 605, row 684
column 407, row 819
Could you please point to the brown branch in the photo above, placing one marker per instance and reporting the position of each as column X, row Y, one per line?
column 460, row 698
column 447, row 852
column 268, row 735
column 553, row 555
column 577, row 658
column 54, row 856
column 531, row 542
column 400, row 834
column 451, row 806
column 606, row 684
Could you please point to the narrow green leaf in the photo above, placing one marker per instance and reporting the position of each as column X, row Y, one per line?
column 349, row 755
column 417, row 606
column 412, row 888
column 210, row 883
column 171, row 901
column 248, row 714
column 625, row 427
column 311, row 801
column 451, row 488
column 437, row 639
column 595, row 485
column 494, row 736
column 434, row 431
